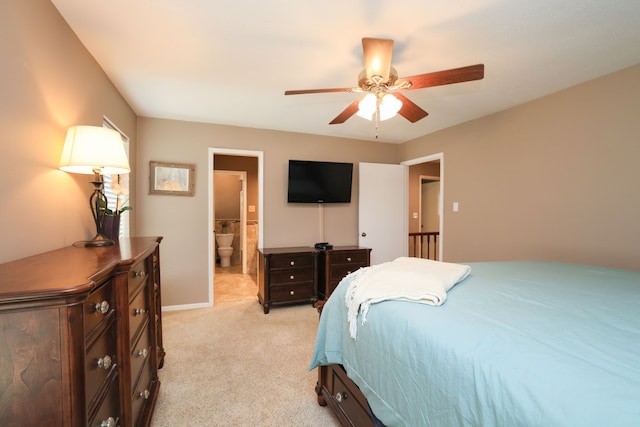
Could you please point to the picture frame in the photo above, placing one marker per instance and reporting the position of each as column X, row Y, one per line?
column 173, row 179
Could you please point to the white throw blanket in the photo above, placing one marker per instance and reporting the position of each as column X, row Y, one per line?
column 409, row 279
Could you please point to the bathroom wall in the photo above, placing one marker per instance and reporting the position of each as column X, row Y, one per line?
column 226, row 188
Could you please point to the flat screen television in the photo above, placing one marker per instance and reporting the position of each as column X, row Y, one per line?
column 319, row 182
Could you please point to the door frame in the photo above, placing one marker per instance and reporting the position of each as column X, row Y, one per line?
column 212, row 247
column 426, row 159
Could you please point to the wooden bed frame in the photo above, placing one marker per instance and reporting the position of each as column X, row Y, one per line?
column 335, row 388
column 345, row 399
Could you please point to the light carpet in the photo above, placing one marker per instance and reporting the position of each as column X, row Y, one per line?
column 232, row 365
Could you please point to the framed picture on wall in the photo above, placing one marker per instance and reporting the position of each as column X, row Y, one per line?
column 173, row 179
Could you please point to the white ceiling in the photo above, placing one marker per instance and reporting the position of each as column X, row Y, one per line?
column 230, row 62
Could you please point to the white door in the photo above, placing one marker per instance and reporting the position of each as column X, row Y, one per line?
column 382, row 210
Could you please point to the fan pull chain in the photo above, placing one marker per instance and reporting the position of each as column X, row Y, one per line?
column 377, row 114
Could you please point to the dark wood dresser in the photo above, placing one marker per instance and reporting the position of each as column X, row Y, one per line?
column 81, row 336
column 336, row 263
column 287, row 276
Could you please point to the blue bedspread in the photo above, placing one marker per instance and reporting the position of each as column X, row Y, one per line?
column 515, row 344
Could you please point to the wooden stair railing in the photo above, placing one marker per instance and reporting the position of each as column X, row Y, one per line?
column 416, row 243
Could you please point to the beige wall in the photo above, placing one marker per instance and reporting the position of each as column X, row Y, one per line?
column 248, row 165
column 554, row 179
column 49, row 82
column 183, row 220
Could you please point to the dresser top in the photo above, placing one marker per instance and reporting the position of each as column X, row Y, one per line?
column 291, row 250
column 70, row 270
column 348, row 248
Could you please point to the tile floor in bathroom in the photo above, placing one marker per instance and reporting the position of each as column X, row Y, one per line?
column 229, row 284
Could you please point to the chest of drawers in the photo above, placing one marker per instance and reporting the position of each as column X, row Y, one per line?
column 80, row 337
column 287, row 276
column 336, row 263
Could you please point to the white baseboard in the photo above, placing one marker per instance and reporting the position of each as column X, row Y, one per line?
column 186, row 307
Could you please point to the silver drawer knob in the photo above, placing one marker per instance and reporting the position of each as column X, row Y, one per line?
column 348, row 259
column 143, row 353
column 102, row 307
column 145, row 394
column 292, row 277
column 139, row 311
column 104, row 362
column 109, row 422
column 293, row 263
column 292, row 293
column 340, row 397
column 138, row 273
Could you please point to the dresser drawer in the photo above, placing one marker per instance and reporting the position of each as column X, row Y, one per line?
column 291, row 260
column 138, row 274
column 98, row 306
column 291, row 276
column 140, row 353
column 283, row 293
column 339, row 271
column 100, row 361
column 109, row 409
column 349, row 400
column 359, row 258
column 138, row 312
column 142, row 391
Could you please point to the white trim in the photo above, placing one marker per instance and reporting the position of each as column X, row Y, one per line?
column 232, row 152
column 431, row 158
column 185, row 307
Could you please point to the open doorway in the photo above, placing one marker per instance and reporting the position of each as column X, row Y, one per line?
column 230, row 215
column 246, row 168
column 427, row 170
column 429, row 216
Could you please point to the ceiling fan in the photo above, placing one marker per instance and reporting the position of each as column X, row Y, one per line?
column 379, row 80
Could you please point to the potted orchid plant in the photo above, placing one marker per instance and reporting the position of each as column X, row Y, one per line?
column 111, row 219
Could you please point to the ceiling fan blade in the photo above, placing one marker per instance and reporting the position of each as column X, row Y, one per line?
column 377, row 57
column 346, row 113
column 307, row 91
column 410, row 109
column 446, row 77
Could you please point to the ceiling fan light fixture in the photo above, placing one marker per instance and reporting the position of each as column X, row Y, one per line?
column 389, row 106
column 367, row 107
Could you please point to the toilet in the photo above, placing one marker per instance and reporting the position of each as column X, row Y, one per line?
column 225, row 248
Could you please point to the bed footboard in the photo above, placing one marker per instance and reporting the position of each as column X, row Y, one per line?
column 344, row 398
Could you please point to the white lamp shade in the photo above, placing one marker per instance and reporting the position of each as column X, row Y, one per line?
column 88, row 148
column 367, row 106
column 389, row 106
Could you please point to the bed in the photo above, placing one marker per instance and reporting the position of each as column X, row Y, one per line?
column 519, row 343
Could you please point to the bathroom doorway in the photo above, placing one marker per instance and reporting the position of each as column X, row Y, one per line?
column 245, row 170
column 230, row 211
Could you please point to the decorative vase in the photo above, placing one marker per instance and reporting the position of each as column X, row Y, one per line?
column 111, row 227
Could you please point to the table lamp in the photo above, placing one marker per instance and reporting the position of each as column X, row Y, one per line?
column 95, row 150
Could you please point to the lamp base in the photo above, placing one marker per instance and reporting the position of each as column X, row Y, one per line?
column 99, row 240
